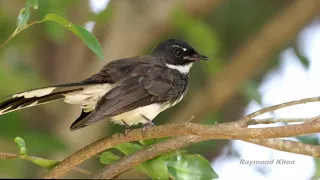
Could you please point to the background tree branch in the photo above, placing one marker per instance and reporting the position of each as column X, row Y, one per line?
column 250, row 59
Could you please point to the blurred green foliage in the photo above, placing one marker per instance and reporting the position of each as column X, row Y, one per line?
column 176, row 165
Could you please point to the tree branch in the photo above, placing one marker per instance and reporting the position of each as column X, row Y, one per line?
column 277, row 120
column 7, row 156
column 150, row 152
column 153, row 151
column 127, row 162
column 171, row 130
column 288, row 146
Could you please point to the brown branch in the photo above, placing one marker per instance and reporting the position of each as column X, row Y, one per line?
column 176, row 143
column 7, row 156
column 127, row 162
column 150, row 152
column 245, row 120
column 288, row 146
column 218, row 131
column 171, row 130
column 277, row 120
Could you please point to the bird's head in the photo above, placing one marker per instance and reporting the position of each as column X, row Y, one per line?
column 177, row 54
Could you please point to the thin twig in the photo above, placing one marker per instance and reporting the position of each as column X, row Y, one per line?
column 288, row 146
column 7, row 155
column 17, row 31
column 243, row 122
column 14, row 156
column 277, row 120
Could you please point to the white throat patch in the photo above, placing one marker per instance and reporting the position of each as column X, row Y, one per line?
column 184, row 69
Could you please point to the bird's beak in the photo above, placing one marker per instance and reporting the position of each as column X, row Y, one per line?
column 197, row 57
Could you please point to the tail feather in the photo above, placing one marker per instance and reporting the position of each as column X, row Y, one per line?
column 80, row 122
column 37, row 96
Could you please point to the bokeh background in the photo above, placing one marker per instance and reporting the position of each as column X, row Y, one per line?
column 47, row 54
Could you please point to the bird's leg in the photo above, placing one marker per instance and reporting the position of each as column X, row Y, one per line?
column 148, row 124
column 127, row 127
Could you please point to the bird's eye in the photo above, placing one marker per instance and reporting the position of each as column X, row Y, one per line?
column 178, row 52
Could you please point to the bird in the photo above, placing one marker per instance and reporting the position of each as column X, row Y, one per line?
column 127, row 91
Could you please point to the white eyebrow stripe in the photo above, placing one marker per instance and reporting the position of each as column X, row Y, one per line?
column 184, row 49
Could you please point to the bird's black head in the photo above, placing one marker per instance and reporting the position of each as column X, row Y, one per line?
column 177, row 52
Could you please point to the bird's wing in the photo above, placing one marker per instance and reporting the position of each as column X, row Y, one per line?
column 118, row 70
column 147, row 84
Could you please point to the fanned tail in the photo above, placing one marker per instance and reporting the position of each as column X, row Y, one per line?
column 37, row 96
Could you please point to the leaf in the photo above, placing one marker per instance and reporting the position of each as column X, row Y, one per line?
column 191, row 167
column 149, row 142
column 155, row 168
column 108, row 157
column 317, row 171
column 89, row 39
column 33, row 3
column 23, row 17
column 45, row 163
column 21, row 145
column 128, row 148
column 302, row 58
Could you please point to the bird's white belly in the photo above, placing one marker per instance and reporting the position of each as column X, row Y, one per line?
column 134, row 117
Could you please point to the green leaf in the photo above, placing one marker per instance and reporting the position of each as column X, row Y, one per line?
column 108, row 157
column 128, row 148
column 317, row 171
column 191, row 167
column 45, row 163
column 33, row 3
column 89, row 39
column 302, row 58
column 21, row 145
column 149, row 142
column 23, row 17
column 155, row 168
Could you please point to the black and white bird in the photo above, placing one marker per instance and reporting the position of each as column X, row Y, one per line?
column 128, row 91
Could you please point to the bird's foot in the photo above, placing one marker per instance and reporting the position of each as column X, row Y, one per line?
column 148, row 124
column 126, row 131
